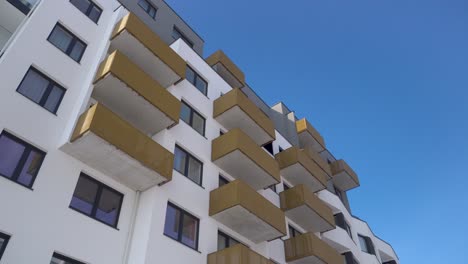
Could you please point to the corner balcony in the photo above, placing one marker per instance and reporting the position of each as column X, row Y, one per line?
column 343, row 176
column 235, row 110
column 309, row 137
column 132, row 94
column 237, row 254
column 109, row 144
column 237, row 154
column 226, row 69
column 241, row 208
column 298, row 168
column 309, row 249
column 307, row 210
column 137, row 41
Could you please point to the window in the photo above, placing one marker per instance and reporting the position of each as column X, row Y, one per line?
column 280, row 149
column 88, row 8
column 181, row 226
column 65, row 41
column 338, row 193
column 23, row 5
column 197, row 81
column 341, row 222
column 272, row 187
column 42, row 90
column 293, row 232
column 366, row 244
column 97, row 200
column 192, row 118
column 225, row 241
column 286, row 187
column 176, row 34
column 222, row 181
column 149, row 8
column 60, row 259
column 349, row 258
column 19, row 161
column 3, row 243
column 389, row 262
column 188, row 165
column 269, row 147
column 221, row 132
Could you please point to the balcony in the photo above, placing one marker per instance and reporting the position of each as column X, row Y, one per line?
column 226, row 69
column 128, row 91
column 137, row 41
column 298, row 168
column 343, row 176
column 12, row 14
column 321, row 162
column 306, row 209
column 309, row 249
column 237, row 154
column 241, row 208
column 309, row 137
column 340, row 240
column 235, row 110
column 109, row 144
column 238, row 254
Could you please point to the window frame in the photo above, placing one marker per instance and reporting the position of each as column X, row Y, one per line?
column 223, row 180
column 294, row 230
column 47, row 92
column 6, row 239
column 90, row 8
column 150, row 6
column 28, row 148
column 21, row 6
column 65, row 258
column 180, row 232
column 72, row 44
column 197, row 76
column 100, row 187
column 182, row 36
column 370, row 249
column 192, row 112
column 227, row 239
column 186, row 165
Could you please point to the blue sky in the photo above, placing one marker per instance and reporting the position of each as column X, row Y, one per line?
column 386, row 84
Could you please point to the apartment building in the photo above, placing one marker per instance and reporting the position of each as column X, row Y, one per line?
column 120, row 142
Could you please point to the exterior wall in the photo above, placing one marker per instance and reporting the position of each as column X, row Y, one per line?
column 166, row 18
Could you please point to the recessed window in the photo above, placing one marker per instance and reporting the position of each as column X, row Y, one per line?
column 148, row 7
column 65, row 41
column 293, row 232
column 280, row 149
column 225, row 241
column 192, row 118
column 338, row 192
column 197, row 81
column 42, row 90
column 60, row 259
column 286, row 187
column 88, row 8
column 272, row 187
column 177, row 34
column 23, row 5
column 222, row 181
column 349, row 258
column 97, row 200
column 341, row 222
column 181, row 226
column 4, row 238
column 19, row 161
column 269, row 147
column 188, row 165
column 366, row 244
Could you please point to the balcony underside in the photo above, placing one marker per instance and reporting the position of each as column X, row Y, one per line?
column 309, row 219
column 297, row 174
column 309, row 249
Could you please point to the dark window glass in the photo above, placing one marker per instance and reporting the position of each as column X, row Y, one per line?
column 280, row 149
column 192, row 118
column 4, row 238
column 60, row 259
column 181, row 226
column 176, row 34
column 23, row 5
column 97, row 200
column 225, row 241
column 222, row 181
column 149, row 8
column 19, row 161
column 341, row 222
column 188, row 165
column 338, row 193
column 349, row 258
column 65, row 41
column 197, row 81
column 293, row 232
column 88, row 8
column 366, row 244
column 269, row 147
column 272, row 187
column 42, row 90
column 285, row 187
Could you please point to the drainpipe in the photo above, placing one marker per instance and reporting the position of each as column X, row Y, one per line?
column 131, row 230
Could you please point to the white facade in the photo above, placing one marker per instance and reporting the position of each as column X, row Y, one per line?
column 40, row 221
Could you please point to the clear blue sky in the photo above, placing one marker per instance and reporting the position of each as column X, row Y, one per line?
column 386, row 84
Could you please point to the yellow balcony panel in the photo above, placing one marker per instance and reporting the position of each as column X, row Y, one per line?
column 309, row 249
column 306, row 209
column 343, row 176
column 137, row 41
column 109, row 144
column 235, row 110
column 237, row 154
column 237, row 254
column 132, row 94
column 321, row 162
column 239, row 207
column 309, row 137
column 298, row 168
column 226, row 69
